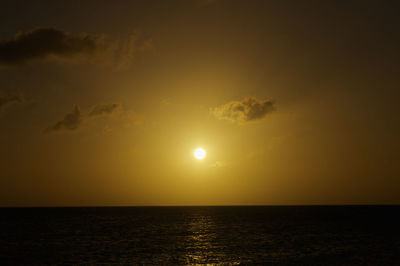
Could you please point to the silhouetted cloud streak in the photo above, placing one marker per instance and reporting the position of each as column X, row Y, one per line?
column 104, row 109
column 247, row 110
column 41, row 43
column 71, row 121
column 75, row 119
column 8, row 99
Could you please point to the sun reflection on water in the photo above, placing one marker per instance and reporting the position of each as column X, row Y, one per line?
column 200, row 239
column 202, row 244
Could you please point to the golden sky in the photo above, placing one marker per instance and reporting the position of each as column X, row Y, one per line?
column 104, row 102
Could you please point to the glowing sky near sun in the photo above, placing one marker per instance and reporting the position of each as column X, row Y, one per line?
column 293, row 102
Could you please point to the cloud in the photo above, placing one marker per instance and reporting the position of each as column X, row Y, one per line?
column 129, row 47
column 130, row 119
column 71, row 121
column 9, row 99
column 50, row 43
column 247, row 110
column 75, row 119
column 41, row 43
column 104, row 109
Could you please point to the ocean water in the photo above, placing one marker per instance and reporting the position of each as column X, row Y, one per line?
column 318, row 235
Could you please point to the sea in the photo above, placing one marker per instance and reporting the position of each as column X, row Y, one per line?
column 229, row 235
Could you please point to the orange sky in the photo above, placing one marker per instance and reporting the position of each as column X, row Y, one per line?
column 103, row 103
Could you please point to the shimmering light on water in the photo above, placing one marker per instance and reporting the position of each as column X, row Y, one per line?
column 199, row 235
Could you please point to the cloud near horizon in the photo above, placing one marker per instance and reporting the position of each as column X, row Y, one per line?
column 75, row 119
column 104, row 109
column 71, row 121
column 245, row 111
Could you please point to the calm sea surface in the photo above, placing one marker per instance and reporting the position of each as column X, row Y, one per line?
column 352, row 235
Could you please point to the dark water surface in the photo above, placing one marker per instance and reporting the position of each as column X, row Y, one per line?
column 363, row 235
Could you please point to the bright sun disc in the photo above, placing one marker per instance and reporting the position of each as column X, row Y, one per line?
column 199, row 153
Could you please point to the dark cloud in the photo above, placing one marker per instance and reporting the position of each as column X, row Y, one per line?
column 8, row 99
column 41, row 43
column 44, row 43
column 76, row 118
column 104, row 109
column 247, row 110
column 71, row 121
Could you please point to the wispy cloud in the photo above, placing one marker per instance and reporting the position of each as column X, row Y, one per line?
column 247, row 110
column 104, row 109
column 9, row 99
column 71, row 121
column 128, row 48
column 76, row 118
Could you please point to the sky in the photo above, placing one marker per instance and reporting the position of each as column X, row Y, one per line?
column 102, row 103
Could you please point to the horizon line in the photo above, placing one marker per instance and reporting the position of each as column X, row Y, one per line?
column 238, row 205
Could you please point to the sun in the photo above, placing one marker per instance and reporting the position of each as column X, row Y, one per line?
column 199, row 153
